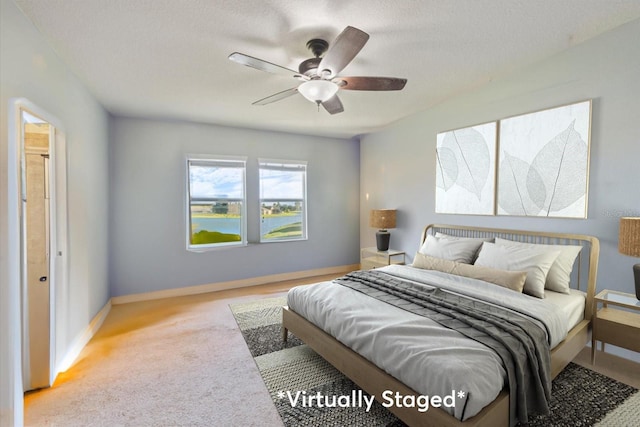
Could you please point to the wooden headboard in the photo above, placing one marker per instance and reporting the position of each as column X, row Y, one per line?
column 585, row 269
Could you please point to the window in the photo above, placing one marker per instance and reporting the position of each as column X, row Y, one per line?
column 283, row 204
column 216, row 202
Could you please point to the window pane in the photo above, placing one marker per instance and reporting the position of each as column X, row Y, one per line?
column 276, row 184
column 282, row 220
column 216, row 203
column 219, row 222
column 282, row 201
column 216, row 181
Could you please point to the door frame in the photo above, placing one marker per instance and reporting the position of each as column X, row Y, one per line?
column 58, row 220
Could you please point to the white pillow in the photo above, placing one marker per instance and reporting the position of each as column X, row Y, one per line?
column 536, row 262
column 452, row 249
column 475, row 240
column 559, row 276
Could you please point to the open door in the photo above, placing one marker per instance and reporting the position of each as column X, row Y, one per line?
column 43, row 240
column 36, row 232
column 36, row 250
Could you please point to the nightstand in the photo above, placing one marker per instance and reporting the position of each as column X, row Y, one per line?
column 371, row 258
column 613, row 325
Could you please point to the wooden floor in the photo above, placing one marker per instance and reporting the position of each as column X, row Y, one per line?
column 624, row 370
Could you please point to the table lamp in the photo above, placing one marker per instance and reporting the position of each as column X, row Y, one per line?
column 382, row 219
column 629, row 244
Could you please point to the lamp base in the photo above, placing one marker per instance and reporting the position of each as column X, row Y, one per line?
column 636, row 276
column 382, row 241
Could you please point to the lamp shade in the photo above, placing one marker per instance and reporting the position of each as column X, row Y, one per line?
column 318, row 91
column 629, row 237
column 382, row 218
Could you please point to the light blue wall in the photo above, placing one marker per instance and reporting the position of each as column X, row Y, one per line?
column 126, row 202
column 397, row 164
column 30, row 69
column 148, row 205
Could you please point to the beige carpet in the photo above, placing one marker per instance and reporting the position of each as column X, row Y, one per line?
column 174, row 362
column 181, row 362
column 627, row 414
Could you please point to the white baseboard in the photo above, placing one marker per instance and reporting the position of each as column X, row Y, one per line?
column 82, row 339
column 233, row 284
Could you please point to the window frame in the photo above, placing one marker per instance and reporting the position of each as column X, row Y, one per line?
column 279, row 164
column 211, row 160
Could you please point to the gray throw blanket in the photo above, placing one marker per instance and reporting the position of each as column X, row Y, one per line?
column 521, row 344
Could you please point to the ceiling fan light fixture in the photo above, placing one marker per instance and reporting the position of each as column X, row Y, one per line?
column 318, row 91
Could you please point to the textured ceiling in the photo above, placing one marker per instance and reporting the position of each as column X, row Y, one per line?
column 168, row 58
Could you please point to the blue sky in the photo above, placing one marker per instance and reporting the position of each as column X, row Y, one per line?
column 209, row 181
column 280, row 184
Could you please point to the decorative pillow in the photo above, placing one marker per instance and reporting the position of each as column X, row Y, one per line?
column 559, row 276
column 513, row 280
column 536, row 262
column 454, row 250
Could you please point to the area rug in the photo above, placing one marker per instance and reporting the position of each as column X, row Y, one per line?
column 292, row 372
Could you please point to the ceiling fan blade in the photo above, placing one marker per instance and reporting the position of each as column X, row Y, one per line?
column 277, row 96
column 371, row 83
column 333, row 105
column 261, row 64
column 345, row 47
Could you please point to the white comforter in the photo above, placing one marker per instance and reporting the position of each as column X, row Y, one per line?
column 429, row 358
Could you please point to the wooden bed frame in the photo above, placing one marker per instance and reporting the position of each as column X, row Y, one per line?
column 374, row 380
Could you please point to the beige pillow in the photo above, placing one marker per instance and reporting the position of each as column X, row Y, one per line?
column 513, row 280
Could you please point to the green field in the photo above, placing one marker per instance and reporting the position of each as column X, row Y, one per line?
column 204, row 237
column 289, row 230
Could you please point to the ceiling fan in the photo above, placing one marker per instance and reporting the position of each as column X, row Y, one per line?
column 319, row 75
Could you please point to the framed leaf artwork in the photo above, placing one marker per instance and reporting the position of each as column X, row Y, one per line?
column 543, row 165
column 465, row 170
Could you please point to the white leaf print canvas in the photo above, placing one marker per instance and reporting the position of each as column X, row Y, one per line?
column 465, row 170
column 544, row 162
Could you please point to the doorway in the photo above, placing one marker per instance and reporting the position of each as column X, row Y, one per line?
column 41, row 190
column 36, row 222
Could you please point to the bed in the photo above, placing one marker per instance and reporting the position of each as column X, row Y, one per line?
column 374, row 343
